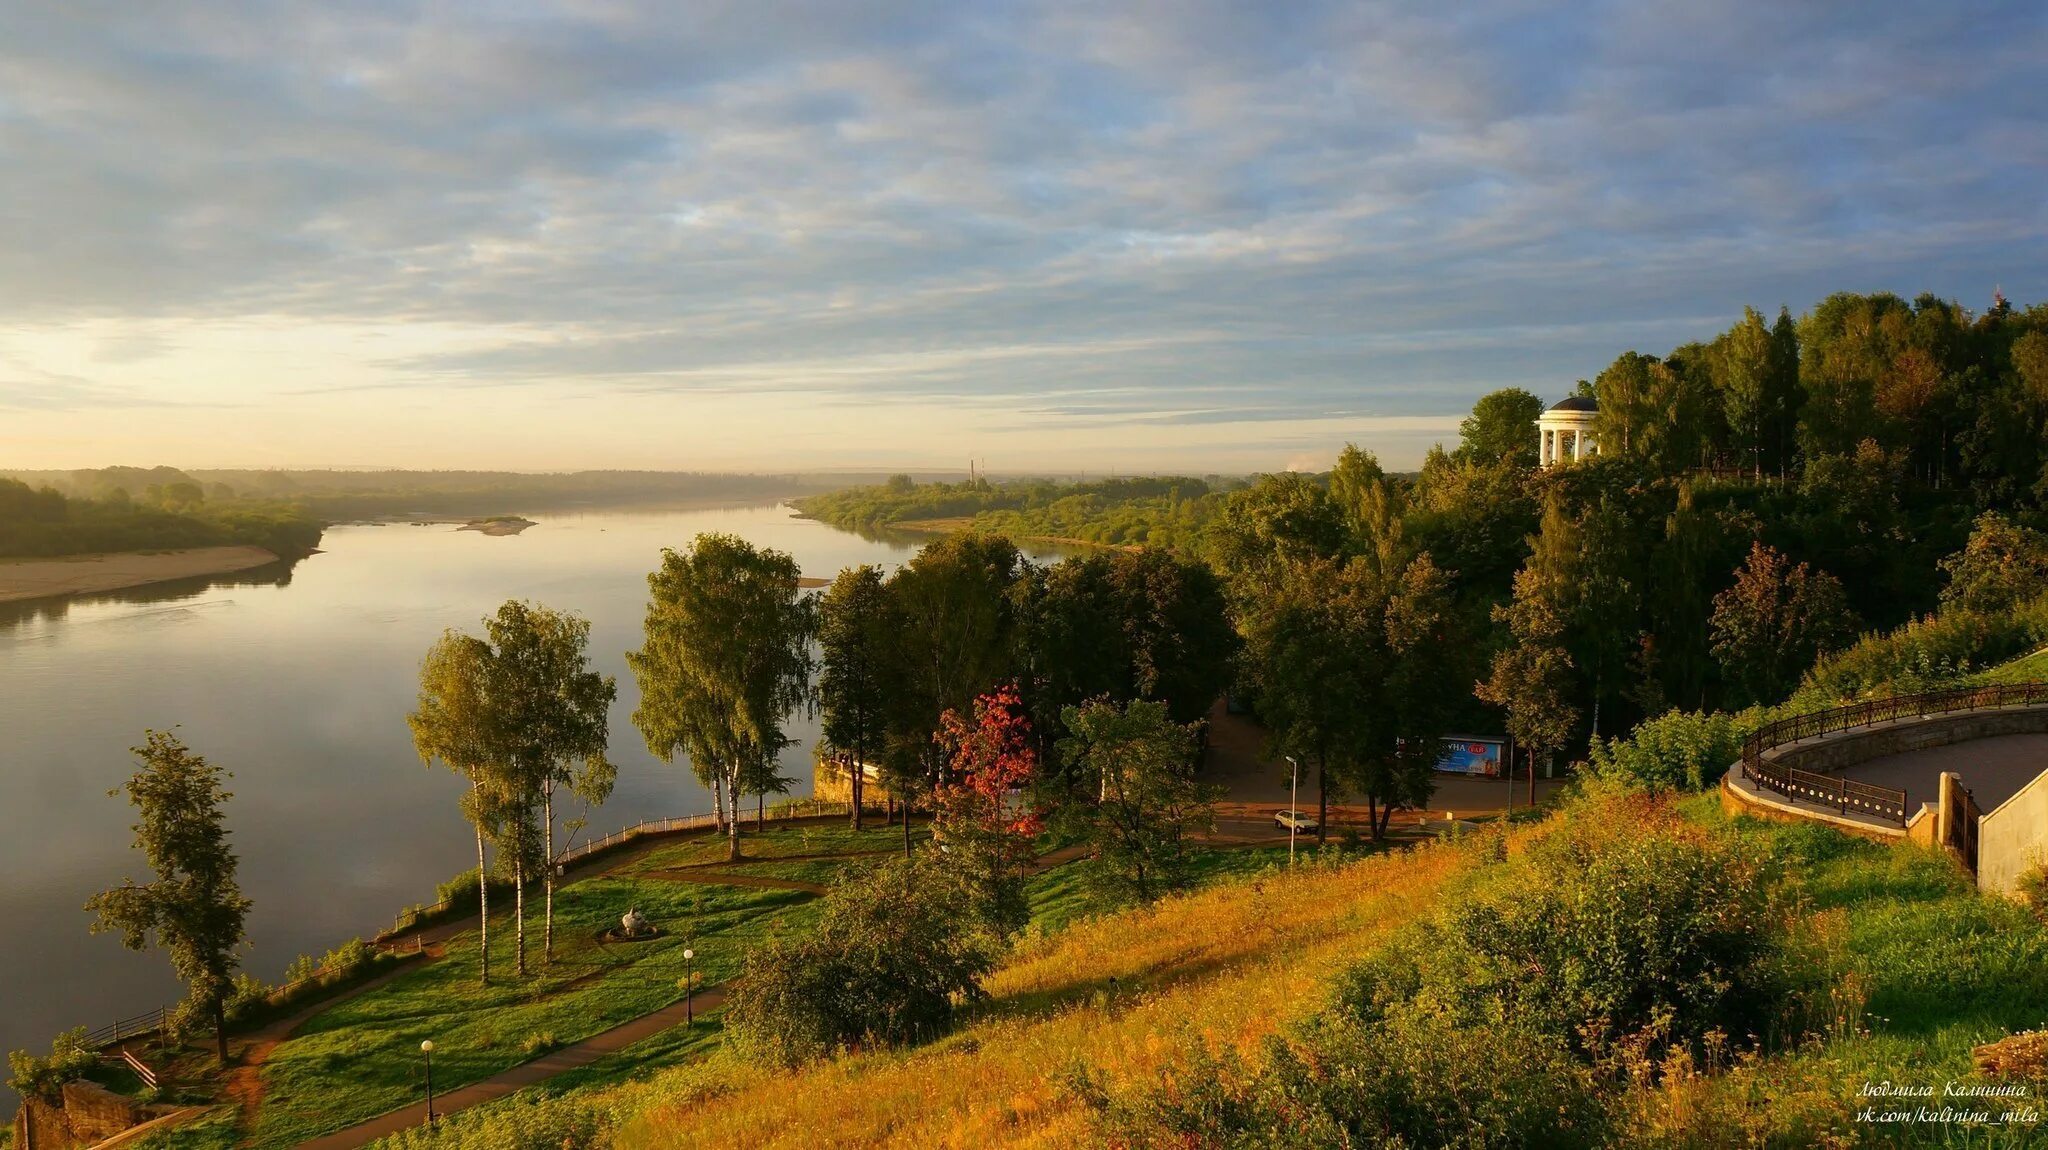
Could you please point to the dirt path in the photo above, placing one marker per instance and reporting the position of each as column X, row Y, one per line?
column 526, row 1074
column 244, row 1084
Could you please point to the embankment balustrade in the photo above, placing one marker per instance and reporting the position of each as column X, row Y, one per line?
column 1847, row 794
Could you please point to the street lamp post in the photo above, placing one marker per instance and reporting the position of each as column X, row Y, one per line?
column 1293, row 807
column 427, row 1048
column 689, row 987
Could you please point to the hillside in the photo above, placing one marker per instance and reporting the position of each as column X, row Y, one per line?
column 1122, row 1028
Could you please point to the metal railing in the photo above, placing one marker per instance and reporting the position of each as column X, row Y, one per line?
column 148, row 1022
column 126, row 1057
column 1847, row 794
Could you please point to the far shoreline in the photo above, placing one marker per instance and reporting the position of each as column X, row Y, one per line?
column 56, row 578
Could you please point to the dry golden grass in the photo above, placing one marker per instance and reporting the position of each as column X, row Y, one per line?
column 1231, row 963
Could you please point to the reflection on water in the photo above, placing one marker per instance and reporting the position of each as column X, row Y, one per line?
column 22, row 612
column 297, row 678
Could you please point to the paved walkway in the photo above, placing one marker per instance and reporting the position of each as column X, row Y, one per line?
column 525, row 1074
column 1993, row 769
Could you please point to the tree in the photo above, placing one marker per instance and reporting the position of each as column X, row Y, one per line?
column 1775, row 622
column 1502, row 426
column 456, row 724
column 553, row 715
column 1630, row 391
column 956, row 618
column 1417, row 694
column 891, row 956
column 1532, row 678
column 726, row 658
column 1314, row 644
column 194, row 910
column 1147, row 802
column 1280, row 519
column 984, row 818
column 1752, row 374
column 854, row 640
column 2004, row 566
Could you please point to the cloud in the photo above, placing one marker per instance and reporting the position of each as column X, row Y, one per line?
column 1190, row 212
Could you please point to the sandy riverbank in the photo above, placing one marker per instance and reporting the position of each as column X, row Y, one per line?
column 84, row 574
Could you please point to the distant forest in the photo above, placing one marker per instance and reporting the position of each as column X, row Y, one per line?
column 52, row 513
column 1761, row 499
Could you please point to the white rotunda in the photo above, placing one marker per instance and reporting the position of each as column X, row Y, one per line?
column 1565, row 432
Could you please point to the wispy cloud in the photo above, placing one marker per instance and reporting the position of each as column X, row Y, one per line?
column 1195, row 213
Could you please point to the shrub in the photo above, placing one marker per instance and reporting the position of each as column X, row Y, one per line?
column 2033, row 887
column 1415, row 1077
column 2003, row 566
column 1677, row 750
column 1925, row 654
column 1623, row 929
column 890, row 955
column 70, row 1057
column 571, row 1122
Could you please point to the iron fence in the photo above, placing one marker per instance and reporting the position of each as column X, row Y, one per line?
column 1847, row 794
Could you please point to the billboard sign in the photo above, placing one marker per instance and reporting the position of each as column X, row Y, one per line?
column 1471, row 755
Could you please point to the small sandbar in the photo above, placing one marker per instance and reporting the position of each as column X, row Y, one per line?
column 86, row 574
column 498, row 525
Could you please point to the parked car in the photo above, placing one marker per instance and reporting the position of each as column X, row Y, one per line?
column 1295, row 821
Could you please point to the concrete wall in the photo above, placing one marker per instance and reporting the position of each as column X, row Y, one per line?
column 2013, row 838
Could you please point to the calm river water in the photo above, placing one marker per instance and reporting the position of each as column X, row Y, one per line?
column 299, row 683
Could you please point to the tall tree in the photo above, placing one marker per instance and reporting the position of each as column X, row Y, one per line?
column 193, row 910
column 855, row 634
column 1775, row 622
column 726, row 658
column 1750, row 366
column 1146, row 802
column 456, row 724
column 1532, row 679
column 1502, row 426
column 956, row 612
column 1417, row 695
column 554, row 716
column 1315, row 644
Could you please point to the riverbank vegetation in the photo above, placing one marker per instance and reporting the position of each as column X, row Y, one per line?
column 40, row 523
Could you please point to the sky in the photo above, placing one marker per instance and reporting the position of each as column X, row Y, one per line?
column 1085, row 236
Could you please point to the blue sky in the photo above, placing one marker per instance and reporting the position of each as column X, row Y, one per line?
column 1067, row 235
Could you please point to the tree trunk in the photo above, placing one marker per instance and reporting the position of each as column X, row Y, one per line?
column 760, row 811
column 1372, row 816
column 547, row 930
column 859, row 771
column 718, row 803
column 1322, row 799
column 906, row 828
column 732, row 825
column 483, row 913
column 220, row 1028
column 519, row 915
column 1532, row 776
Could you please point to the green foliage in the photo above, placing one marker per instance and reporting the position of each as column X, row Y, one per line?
column 2033, row 887
column 1775, row 621
column 69, row 1058
column 889, row 958
column 1622, row 931
column 726, row 658
column 43, row 523
column 1139, row 765
column 1925, row 654
column 1417, row 1077
column 2003, row 566
column 1501, row 428
column 193, row 910
column 523, row 1122
column 1678, row 750
column 1164, row 511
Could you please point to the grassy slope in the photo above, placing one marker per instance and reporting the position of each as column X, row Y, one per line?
column 1240, row 957
column 360, row 1059
column 2025, row 669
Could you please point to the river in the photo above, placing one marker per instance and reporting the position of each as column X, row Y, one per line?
column 298, row 679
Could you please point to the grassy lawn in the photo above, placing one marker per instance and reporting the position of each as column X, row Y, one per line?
column 1927, row 967
column 778, row 842
column 362, row 1058
column 2025, row 669
column 1062, row 895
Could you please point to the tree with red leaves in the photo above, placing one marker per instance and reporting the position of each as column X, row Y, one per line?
column 986, row 818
